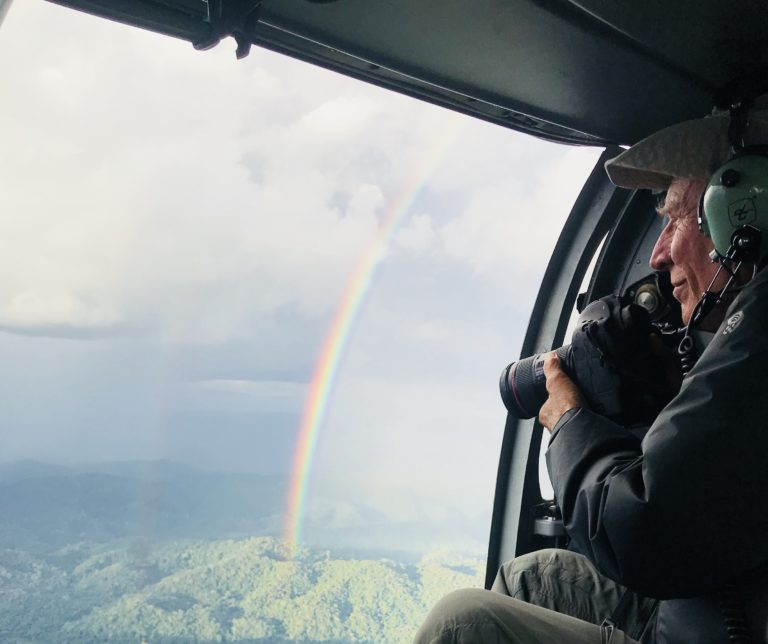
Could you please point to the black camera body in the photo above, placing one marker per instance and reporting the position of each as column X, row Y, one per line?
column 609, row 358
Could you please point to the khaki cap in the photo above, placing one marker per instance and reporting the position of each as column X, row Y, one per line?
column 688, row 150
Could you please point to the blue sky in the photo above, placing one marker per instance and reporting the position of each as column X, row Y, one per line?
column 176, row 228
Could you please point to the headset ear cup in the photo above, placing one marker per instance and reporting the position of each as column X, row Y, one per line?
column 737, row 196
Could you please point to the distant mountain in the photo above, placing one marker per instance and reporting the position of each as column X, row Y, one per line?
column 224, row 591
column 163, row 553
column 44, row 506
column 31, row 469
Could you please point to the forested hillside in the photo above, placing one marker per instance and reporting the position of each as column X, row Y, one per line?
column 157, row 553
column 222, row 591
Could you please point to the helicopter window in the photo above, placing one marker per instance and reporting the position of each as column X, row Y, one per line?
column 251, row 319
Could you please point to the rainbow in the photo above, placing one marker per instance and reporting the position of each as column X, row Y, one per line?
column 337, row 337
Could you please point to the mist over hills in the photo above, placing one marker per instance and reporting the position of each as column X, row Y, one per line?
column 49, row 506
column 45, row 506
column 159, row 552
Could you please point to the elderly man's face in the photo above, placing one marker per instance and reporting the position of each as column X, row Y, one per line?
column 682, row 249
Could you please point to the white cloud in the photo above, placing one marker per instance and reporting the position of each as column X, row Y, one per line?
column 192, row 198
column 269, row 395
column 165, row 185
column 418, row 235
column 339, row 119
column 505, row 227
column 40, row 309
column 259, row 388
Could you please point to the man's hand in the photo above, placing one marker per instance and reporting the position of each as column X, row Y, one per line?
column 563, row 393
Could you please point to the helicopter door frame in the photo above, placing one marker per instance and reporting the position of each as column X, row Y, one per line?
column 596, row 211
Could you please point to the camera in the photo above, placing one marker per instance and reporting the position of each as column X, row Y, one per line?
column 609, row 358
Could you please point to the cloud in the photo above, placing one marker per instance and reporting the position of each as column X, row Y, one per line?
column 268, row 395
column 30, row 309
column 418, row 235
column 505, row 226
column 147, row 208
column 197, row 219
column 338, row 120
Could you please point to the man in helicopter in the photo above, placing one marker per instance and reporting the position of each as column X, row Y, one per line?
column 673, row 528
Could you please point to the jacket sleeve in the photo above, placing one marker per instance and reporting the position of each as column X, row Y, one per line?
column 683, row 511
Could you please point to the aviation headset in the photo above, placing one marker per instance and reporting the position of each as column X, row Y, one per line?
column 733, row 211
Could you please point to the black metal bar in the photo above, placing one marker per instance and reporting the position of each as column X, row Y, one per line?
column 517, row 484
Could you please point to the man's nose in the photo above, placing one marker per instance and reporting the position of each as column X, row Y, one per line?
column 661, row 257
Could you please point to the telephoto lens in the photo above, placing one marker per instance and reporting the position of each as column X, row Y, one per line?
column 608, row 359
column 523, row 385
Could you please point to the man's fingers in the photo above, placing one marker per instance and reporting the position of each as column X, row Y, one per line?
column 551, row 364
column 563, row 392
column 553, row 372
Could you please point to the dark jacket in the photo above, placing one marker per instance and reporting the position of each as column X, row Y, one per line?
column 683, row 512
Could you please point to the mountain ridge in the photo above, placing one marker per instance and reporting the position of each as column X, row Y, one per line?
column 248, row 590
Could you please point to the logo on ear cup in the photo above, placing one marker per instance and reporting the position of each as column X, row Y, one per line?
column 742, row 211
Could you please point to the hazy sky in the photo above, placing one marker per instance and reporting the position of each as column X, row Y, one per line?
column 176, row 229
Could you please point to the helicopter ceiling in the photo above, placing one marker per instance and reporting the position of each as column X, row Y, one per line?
column 575, row 71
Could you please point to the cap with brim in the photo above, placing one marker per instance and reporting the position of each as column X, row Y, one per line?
column 688, row 150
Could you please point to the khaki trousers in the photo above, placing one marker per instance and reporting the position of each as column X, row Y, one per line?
column 550, row 596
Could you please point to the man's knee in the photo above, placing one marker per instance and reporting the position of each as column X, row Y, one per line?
column 462, row 616
column 562, row 581
column 476, row 616
column 542, row 572
column 522, row 576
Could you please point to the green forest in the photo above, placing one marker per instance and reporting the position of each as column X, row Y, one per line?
column 76, row 570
